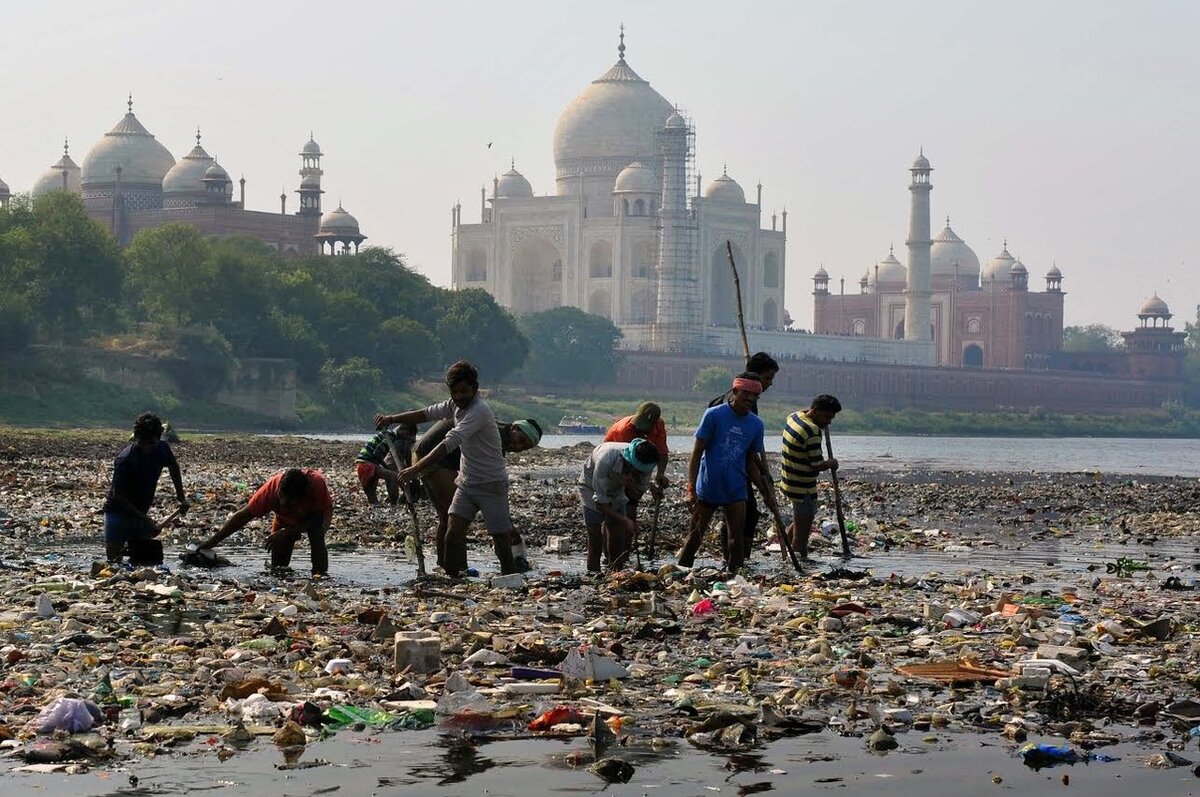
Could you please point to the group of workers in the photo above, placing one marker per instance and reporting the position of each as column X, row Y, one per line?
column 459, row 464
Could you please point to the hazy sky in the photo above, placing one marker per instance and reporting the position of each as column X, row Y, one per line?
column 1068, row 127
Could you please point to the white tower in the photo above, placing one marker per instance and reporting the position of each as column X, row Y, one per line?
column 917, row 292
column 675, row 312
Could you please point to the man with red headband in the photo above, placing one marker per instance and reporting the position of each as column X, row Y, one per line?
column 724, row 462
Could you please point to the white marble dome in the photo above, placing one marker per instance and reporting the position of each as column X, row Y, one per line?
column 338, row 221
column 999, row 268
column 617, row 117
column 1155, row 306
column 636, row 178
column 947, row 250
column 187, row 175
column 143, row 160
column 311, row 147
column 725, row 189
column 890, row 272
column 513, row 184
column 52, row 178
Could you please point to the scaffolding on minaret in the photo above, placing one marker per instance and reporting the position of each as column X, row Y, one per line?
column 677, row 316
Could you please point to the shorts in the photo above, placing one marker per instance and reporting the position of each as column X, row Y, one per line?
column 712, row 505
column 120, row 527
column 489, row 499
column 366, row 473
column 805, row 506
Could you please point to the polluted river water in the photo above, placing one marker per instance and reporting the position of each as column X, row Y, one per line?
column 926, row 543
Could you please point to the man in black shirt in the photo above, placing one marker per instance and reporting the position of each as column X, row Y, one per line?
column 765, row 367
column 127, row 522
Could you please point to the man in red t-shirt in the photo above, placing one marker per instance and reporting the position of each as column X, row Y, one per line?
column 647, row 422
column 302, row 505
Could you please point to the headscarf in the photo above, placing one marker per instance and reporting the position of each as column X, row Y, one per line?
column 647, row 416
column 630, row 455
column 529, row 430
column 749, row 385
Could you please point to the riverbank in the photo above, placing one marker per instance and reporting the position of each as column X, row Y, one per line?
column 767, row 680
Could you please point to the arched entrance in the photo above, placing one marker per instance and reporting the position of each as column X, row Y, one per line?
column 600, row 303
column 721, row 298
column 972, row 356
column 476, row 266
column 535, row 265
column 770, row 316
column 771, row 270
column 600, row 260
column 643, row 306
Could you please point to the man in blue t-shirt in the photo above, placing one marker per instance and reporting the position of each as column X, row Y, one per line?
column 136, row 472
column 725, row 459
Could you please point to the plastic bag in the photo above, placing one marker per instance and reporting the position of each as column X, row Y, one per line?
column 68, row 714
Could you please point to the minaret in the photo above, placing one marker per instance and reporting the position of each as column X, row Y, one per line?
column 674, row 316
column 310, row 179
column 917, row 292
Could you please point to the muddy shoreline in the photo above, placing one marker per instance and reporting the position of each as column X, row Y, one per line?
column 988, row 569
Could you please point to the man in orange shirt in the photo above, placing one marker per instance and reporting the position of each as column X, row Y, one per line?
column 302, row 505
column 646, row 423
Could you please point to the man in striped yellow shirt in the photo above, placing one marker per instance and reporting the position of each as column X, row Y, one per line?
column 801, row 462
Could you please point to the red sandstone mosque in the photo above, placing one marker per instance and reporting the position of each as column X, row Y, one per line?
column 130, row 182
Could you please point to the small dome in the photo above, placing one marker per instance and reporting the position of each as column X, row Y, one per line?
column 636, row 178
column 513, row 184
column 52, row 178
column 129, row 145
column 187, row 175
column 725, row 189
column 891, row 272
column 1018, row 268
column 1155, row 306
column 1054, row 273
column 999, row 268
column 921, row 162
column 821, row 274
column 339, row 221
column 216, row 172
column 311, row 147
column 949, row 251
column 675, row 121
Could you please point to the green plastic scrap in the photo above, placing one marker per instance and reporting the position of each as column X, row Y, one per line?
column 341, row 716
column 416, row 720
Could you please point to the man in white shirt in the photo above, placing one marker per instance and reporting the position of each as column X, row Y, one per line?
column 482, row 483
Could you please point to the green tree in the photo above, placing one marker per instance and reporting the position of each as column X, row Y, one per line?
column 73, row 289
column 353, row 382
column 473, row 327
column 404, row 349
column 712, row 380
column 201, row 359
column 349, row 325
column 1191, row 361
column 16, row 327
column 570, row 347
column 170, row 274
column 1092, row 338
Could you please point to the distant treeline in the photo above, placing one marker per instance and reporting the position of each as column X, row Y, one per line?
column 353, row 324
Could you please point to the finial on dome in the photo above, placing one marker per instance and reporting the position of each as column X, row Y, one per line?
column 947, row 219
column 340, row 204
column 129, row 104
column 1005, row 244
column 621, row 46
column 66, row 147
column 891, row 249
column 725, row 169
column 921, row 151
column 310, row 135
column 512, row 162
column 197, row 135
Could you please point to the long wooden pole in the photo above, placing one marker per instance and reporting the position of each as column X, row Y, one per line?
column 837, row 497
column 737, row 292
column 408, row 499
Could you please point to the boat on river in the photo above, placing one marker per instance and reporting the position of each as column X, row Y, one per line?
column 578, row 424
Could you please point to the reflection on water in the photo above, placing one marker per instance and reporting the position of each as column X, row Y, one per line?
column 460, row 759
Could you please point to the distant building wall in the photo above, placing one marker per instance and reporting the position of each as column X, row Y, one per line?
column 867, row 385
